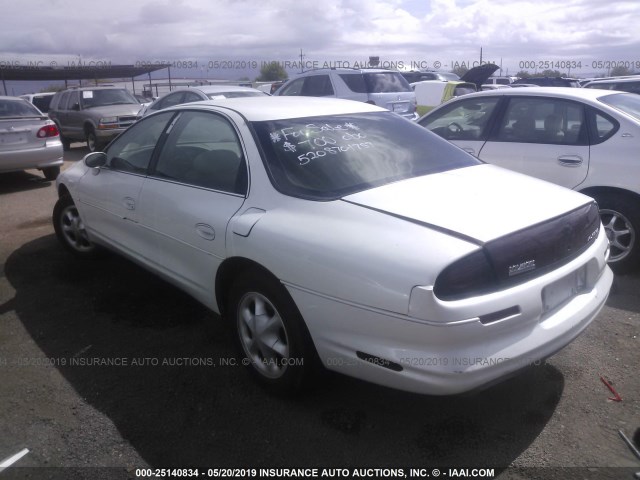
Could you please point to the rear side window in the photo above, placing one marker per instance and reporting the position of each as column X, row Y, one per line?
column 601, row 126
column 386, row 82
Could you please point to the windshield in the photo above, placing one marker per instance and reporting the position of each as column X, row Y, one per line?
column 215, row 96
column 385, row 82
column 628, row 103
column 110, row 96
column 325, row 158
column 18, row 108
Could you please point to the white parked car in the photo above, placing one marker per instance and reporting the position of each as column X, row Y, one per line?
column 198, row 94
column 580, row 138
column 336, row 230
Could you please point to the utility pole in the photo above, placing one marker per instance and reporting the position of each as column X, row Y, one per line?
column 301, row 60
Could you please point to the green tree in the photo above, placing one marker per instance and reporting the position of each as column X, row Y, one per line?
column 52, row 88
column 271, row 72
column 620, row 71
column 549, row 73
column 523, row 74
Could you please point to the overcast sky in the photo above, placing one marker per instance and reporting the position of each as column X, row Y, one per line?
column 425, row 31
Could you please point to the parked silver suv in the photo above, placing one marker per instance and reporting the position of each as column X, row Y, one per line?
column 385, row 88
column 93, row 114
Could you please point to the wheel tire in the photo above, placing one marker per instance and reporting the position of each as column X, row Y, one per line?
column 273, row 339
column 70, row 229
column 92, row 141
column 66, row 143
column 621, row 219
column 51, row 173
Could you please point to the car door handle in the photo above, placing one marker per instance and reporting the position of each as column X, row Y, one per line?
column 205, row 231
column 469, row 150
column 570, row 160
column 129, row 203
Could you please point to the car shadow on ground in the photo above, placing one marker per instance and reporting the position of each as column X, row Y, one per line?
column 178, row 398
column 22, row 181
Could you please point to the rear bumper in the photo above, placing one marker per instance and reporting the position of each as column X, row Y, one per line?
column 50, row 155
column 454, row 352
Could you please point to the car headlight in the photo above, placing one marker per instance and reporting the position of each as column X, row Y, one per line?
column 108, row 122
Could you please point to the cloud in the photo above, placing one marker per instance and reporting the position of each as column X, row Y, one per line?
column 125, row 31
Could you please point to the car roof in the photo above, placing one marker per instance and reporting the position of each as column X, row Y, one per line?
column 614, row 80
column 216, row 89
column 348, row 70
column 563, row 92
column 9, row 97
column 277, row 108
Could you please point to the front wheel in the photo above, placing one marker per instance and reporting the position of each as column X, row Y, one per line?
column 277, row 348
column 92, row 141
column 70, row 229
column 621, row 220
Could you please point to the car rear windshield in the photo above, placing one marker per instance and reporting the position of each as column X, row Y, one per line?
column 386, row 82
column 628, row 103
column 17, row 108
column 42, row 102
column 328, row 157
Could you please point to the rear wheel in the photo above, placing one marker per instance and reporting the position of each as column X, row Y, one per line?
column 273, row 338
column 51, row 173
column 70, row 229
column 621, row 220
column 66, row 143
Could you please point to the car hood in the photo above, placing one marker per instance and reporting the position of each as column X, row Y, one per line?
column 116, row 110
column 478, row 203
column 479, row 75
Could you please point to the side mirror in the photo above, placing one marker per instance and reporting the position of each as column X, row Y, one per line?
column 95, row 159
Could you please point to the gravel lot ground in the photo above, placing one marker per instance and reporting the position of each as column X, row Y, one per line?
column 174, row 403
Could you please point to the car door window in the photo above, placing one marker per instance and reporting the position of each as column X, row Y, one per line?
column 203, row 150
column 191, row 97
column 464, row 120
column 317, row 86
column 355, row 82
column 294, row 88
column 543, row 120
column 170, row 100
column 131, row 152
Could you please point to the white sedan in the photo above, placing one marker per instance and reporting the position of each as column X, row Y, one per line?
column 583, row 139
column 332, row 230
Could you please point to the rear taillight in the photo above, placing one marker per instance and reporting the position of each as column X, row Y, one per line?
column 468, row 277
column 48, row 131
